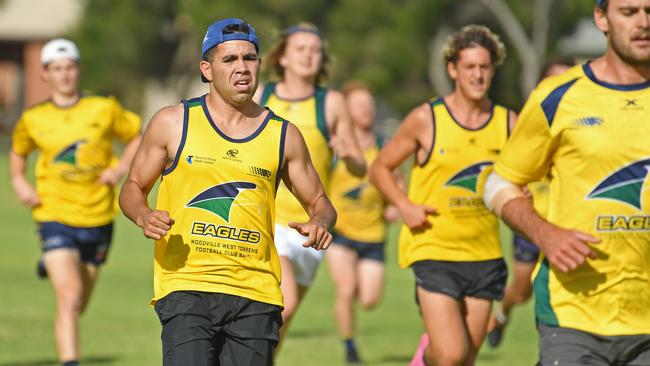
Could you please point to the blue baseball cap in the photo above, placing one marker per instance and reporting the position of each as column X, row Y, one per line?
column 600, row 3
column 215, row 34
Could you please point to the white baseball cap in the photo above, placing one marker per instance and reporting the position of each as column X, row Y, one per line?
column 57, row 49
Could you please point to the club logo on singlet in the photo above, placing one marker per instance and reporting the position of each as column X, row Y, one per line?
column 219, row 201
column 625, row 185
column 468, row 177
column 355, row 193
column 69, row 154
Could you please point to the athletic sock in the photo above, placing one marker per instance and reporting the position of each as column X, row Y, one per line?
column 499, row 315
column 349, row 344
column 351, row 351
column 70, row 363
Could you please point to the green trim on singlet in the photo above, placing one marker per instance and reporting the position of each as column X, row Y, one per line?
column 320, row 112
column 194, row 102
column 435, row 102
column 379, row 141
column 543, row 308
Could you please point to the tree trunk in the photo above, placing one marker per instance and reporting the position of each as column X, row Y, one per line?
column 530, row 51
column 437, row 69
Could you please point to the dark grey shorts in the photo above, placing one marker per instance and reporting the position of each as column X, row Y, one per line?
column 212, row 329
column 365, row 250
column 483, row 279
column 570, row 347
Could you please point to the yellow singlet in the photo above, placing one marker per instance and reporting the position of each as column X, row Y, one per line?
column 464, row 230
column 309, row 116
column 360, row 206
column 221, row 192
column 75, row 146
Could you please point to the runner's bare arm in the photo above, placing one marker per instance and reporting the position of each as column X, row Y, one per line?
column 159, row 144
column 407, row 141
column 299, row 175
column 24, row 190
column 342, row 140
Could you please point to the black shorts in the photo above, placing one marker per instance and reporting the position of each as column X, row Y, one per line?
column 213, row 329
column 483, row 279
column 524, row 250
column 365, row 250
column 92, row 243
column 571, row 347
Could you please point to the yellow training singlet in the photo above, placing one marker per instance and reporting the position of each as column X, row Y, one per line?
column 464, row 230
column 75, row 146
column 593, row 137
column 359, row 204
column 221, row 192
column 309, row 116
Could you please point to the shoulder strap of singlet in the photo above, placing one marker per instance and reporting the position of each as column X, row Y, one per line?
column 435, row 101
column 508, row 130
column 283, row 137
column 432, row 103
column 320, row 112
column 380, row 141
column 187, row 104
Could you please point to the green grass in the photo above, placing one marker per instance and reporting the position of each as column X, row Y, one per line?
column 119, row 327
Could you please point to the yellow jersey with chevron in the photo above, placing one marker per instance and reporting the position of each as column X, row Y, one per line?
column 75, row 146
column 221, row 193
column 309, row 116
column 449, row 180
column 593, row 138
column 359, row 205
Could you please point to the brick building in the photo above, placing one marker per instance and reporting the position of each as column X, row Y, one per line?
column 25, row 25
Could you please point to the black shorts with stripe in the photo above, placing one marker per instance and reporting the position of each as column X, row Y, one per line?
column 481, row 279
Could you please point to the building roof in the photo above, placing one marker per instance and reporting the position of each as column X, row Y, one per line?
column 585, row 41
column 22, row 20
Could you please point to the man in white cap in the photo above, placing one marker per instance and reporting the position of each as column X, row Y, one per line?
column 73, row 201
column 216, row 269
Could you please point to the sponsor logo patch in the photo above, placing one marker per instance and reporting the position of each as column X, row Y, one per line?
column 468, row 177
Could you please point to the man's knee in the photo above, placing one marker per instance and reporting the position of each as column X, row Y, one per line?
column 345, row 292
column 521, row 294
column 446, row 359
column 447, row 356
column 70, row 302
column 369, row 302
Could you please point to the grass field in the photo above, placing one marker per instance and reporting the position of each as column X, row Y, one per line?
column 119, row 328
